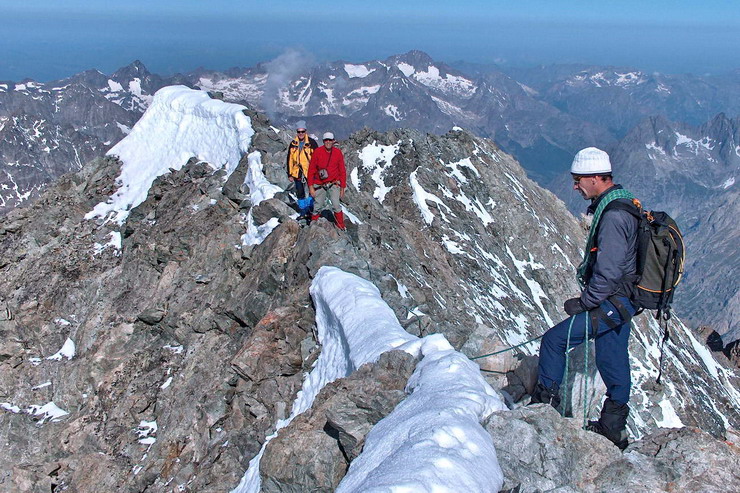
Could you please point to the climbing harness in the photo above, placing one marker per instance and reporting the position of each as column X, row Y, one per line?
column 584, row 398
column 564, row 386
column 584, row 386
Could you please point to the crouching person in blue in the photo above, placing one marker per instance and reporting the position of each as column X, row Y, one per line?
column 603, row 310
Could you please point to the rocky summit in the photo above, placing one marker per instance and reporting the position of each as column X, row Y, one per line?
column 159, row 354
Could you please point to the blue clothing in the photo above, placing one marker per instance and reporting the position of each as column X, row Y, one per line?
column 612, row 358
column 305, row 202
column 300, row 189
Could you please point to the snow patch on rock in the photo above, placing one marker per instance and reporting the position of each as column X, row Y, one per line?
column 145, row 432
column 421, row 197
column 392, row 111
column 259, row 188
column 448, row 83
column 357, row 71
column 115, row 242
column 68, row 351
column 406, row 69
column 377, row 158
column 255, row 235
column 46, row 412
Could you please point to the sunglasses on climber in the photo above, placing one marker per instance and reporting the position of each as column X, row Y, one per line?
column 577, row 179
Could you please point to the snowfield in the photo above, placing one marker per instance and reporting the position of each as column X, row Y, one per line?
column 433, row 440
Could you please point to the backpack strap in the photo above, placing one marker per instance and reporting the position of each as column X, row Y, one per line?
column 666, row 337
column 634, row 209
column 599, row 314
column 626, row 317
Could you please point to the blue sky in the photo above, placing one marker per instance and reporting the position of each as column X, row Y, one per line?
column 48, row 39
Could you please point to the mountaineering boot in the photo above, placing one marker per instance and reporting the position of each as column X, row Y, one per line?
column 314, row 217
column 543, row 395
column 339, row 216
column 613, row 423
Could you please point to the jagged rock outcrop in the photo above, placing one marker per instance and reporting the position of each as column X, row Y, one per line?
column 157, row 328
column 314, row 451
column 538, row 451
column 48, row 129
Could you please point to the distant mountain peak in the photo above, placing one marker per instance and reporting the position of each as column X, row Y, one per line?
column 134, row 69
column 415, row 58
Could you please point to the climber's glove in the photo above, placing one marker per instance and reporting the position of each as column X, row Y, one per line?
column 574, row 306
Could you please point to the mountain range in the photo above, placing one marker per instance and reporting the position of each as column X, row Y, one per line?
column 542, row 116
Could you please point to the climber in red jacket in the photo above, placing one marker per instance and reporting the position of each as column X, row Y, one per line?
column 327, row 179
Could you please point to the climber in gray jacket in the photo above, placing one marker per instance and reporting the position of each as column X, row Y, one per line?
column 603, row 310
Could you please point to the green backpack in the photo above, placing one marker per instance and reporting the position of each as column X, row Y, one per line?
column 660, row 261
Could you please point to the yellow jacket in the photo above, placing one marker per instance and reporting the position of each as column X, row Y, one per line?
column 300, row 156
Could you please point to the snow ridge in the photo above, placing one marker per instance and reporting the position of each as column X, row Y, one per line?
column 433, row 440
column 180, row 123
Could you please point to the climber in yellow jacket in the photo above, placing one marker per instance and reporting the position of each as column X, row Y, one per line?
column 300, row 151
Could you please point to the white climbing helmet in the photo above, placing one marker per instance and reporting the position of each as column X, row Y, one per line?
column 591, row 161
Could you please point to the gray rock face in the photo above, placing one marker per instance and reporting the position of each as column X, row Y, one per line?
column 539, row 451
column 156, row 327
column 189, row 347
column 685, row 459
column 314, row 451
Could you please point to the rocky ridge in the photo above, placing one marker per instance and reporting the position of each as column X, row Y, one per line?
column 187, row 346
column 541, row 116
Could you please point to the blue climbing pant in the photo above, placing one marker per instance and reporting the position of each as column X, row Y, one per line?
column 612, row 357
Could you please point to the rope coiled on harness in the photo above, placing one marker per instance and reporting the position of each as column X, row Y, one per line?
column 584, row 399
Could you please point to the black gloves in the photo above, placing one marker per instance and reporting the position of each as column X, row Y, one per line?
column 574, row 306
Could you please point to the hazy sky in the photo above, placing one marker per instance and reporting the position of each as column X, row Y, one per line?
column 49, row 39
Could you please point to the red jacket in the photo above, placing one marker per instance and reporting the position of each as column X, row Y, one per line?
column 332, row 161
